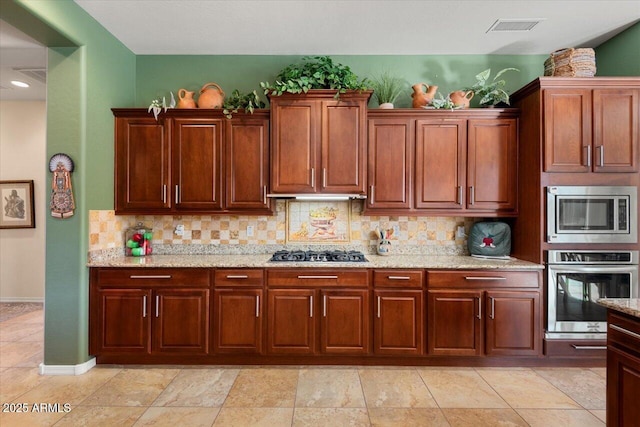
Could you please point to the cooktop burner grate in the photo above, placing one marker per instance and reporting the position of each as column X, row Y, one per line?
column 318, row 256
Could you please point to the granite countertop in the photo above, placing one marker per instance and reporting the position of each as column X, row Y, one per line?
column 262, row 261
column 630, row 306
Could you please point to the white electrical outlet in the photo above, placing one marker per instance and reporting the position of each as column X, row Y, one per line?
column 460, row 234
column 250, row 231
column 179, row 229
column 396, row 230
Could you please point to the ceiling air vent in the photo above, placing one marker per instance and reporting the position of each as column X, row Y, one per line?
column 514, row 25
column 39, row 74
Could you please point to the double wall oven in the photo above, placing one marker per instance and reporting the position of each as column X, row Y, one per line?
column 579, row 276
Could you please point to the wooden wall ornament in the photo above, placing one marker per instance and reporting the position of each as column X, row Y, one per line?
column 62, row 203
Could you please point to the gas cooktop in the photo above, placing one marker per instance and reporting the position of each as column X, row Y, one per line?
column 318, row 256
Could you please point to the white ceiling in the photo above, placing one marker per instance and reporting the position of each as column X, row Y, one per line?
column 344, row 27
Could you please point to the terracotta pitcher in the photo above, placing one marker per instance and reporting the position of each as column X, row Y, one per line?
column 185, row 99
column 461, row 98
column 211, row 96
column 420, row 97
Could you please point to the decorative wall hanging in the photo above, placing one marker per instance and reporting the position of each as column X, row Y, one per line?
column 62, row 203
column 318, row 222
column 17, row 204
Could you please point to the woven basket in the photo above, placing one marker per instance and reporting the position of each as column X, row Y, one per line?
column 571, row 62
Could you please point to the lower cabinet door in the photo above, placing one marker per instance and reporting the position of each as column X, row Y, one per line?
column 512, row 323
column 623, row 387
column 398, row 323
column 238, row 320
column 123, row 321
column 181, row 321
column 345, row 321
column 291, row 324
column 454, row 322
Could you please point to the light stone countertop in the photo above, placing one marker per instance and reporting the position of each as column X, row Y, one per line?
column 630, row 306
column 262, row 261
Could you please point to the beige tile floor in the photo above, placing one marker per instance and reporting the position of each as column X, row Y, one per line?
column 289, row 396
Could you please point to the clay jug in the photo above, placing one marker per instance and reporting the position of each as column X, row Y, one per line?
column 211, row 96
column 461, row 98
column 420, row 97
column 185, row 99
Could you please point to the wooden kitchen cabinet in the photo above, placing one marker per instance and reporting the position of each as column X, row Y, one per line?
column 191, row 162
column 310, row 312
column 591, row 130
column 398, row 322
column 238, row 311
column 473, row 313
column 318, row 143
column 148, row 312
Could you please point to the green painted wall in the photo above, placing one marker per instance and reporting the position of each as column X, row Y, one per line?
column 620, row 56
column 89, row 71
column 157, row 75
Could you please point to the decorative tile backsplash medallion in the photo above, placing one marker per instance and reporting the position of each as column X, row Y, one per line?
column 228, row 234
column 318, row 222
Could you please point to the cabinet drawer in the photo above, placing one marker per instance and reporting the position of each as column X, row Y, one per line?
column 137, row 277
column 398, row 278
column 594, row 349
column 239, row 277
column 317, row 277
column 623, row 332
column 482, row 279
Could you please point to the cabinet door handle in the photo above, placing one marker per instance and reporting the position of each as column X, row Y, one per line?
column 177, row 194
column 624, row 331
column 472, row 195
column 371, row 194
column 398, row 277
column 238, row 276
column 324, row 177
column 157, row 305
column 378, row 307
column 151, row 277
column 589, row 347
column 313, row 177
column 479, row 308
column 588, row 147
column 484, row 278
column 144, row 306
column 460, row 194
column 311, row 306
column 324, row 306
column 317, row 277
column 164, row 193
column 601, row 160
column 493, row 308
column 257, row 305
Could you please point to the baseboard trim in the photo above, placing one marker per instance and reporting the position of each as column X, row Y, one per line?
column 67, row 369
column 22, row 299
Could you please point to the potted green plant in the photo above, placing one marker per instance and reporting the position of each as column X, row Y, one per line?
column 386, row 89
column 237, row 101
column 441, row 103
column 490, row 92
column 314, row 72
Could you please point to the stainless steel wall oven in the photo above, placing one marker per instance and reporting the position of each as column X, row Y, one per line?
column 576, row 280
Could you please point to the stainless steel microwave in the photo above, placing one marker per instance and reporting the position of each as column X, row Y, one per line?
column 592, row 214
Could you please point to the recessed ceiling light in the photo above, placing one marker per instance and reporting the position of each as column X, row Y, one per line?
column 502, row 25
column 19, row 83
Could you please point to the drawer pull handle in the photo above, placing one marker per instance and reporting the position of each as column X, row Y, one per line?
column 151, row 277
column 238, row 276
column 144, row 306
column 589, row 347
column 625, row 331
column 398, row 277
column 257, row 305
column 484, row 278
column 317, row 277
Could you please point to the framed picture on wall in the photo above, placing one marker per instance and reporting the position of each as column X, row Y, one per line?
column 17, row 204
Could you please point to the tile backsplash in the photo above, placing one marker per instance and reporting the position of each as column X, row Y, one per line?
column 419, row 235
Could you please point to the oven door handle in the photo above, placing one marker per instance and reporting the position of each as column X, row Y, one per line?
column 605, row 269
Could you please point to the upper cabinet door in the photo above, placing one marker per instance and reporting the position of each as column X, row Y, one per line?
column 440, row 163
column 141, row 164
column 294, row 146
column 247, row 163
column 196, row 152
column 342, row 168
column 567, row 130
column 390, row 166
column 492, row 158
column 615, row 130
